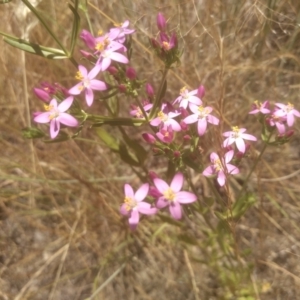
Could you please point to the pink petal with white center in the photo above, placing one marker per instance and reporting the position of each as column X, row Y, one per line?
column 105, row 63
column 240, row 144
column 162, row 202
column 54, row 128
column 66, row 104
column 213, row 156
column 174, row 124
column 231, row 169
column 248, row 137
column 185, row 197
column 134, row 219
column 155, row 122
column 89, row 96
column 94, row 72
column 202, row 125
column 43, row 117
column 160, row 184
column 177, row 182
column 191, row 119
column 142, row 192
column 98, row 85
column 175, row 210
column 146, row 209
column 119, row 57
column 83, row 71
column 67, row 119
column 290, row 119
column 228, row 156
column 194, row 100
column 228, row 141
column 123, row 210
column 213, row 120
column 221, row 178
column 209, row 171
column 128, row 191
column 77, row 89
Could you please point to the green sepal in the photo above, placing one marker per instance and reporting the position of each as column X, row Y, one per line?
column 32, row 133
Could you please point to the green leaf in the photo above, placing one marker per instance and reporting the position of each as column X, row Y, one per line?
column 83, row 5
column 127, row 157
column 109, row 140
column 137, row 148
column 75, row 28
column 47, row 52
column 4, row 1
column 169, row 220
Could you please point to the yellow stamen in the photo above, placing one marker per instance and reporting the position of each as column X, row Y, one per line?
column 129, row 203
column 79, row 76
column 48, row 107
column 162, row 116
column 169, row 194
column 100, row 32
column 166, row 45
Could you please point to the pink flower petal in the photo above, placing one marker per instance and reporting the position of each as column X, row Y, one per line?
column 177, row 182
column 43, row 117
column 77, row 89
column 119, row 57
column 97, row 85
column 67, row 119
column 123, row 210
column 161, row 185
column 146, row 209
column 175, row 210
column 221, row 178
column 142, row 192
column 128, row 191
column 54, row 128
column 89, row 96
column 94, row 72
column 185, row 197
column 202, row 125
column 134, row 219
column 66, row 104
column 162, row 202
column 83, row 71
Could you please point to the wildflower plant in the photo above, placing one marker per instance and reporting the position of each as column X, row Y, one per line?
column 174, row 128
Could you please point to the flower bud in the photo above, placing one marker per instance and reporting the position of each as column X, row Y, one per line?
column 152, row 175
column 187, row 137
column 87, row 37
column 176, row 154
column 42, row 94
column 122, row 88
column 201, row 91
column 183, row 125
column 131, row 73
column 161, row 22
column 149, row 90
column 289, row 133
column 149, row 138
column 112, row 70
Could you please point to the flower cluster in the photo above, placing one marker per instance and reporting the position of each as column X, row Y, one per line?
column 165, row 195
column 105, row 49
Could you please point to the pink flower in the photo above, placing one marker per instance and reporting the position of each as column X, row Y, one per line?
column 172, row 196
column 187, row 97
column 107, row 55
column 260, row 107
column 134, row 205
column 237, row 136
column 202, row 115
column 137, row 112
column 277, row 121
column 166, row 119
column 287, row 111
column 55, row 114
column 165, row 134
column 221, row 167
column 122, row 30
column 88, row 83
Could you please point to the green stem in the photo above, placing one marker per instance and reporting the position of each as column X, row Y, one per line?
column 254, row 166
column 158, row 100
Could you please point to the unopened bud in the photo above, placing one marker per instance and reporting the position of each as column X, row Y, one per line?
column 176, row 154
column 131, row 73
column 122, row 88
column 112, row 70
column 289, row 133
column 149, row 138
column 42, row 94
column 201, row 91
column 183, row 125
column 152, row 175
column 161, row 22
column 149, row 90
column 187, row 137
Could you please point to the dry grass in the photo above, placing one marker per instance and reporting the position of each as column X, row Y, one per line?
column 61, row 236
